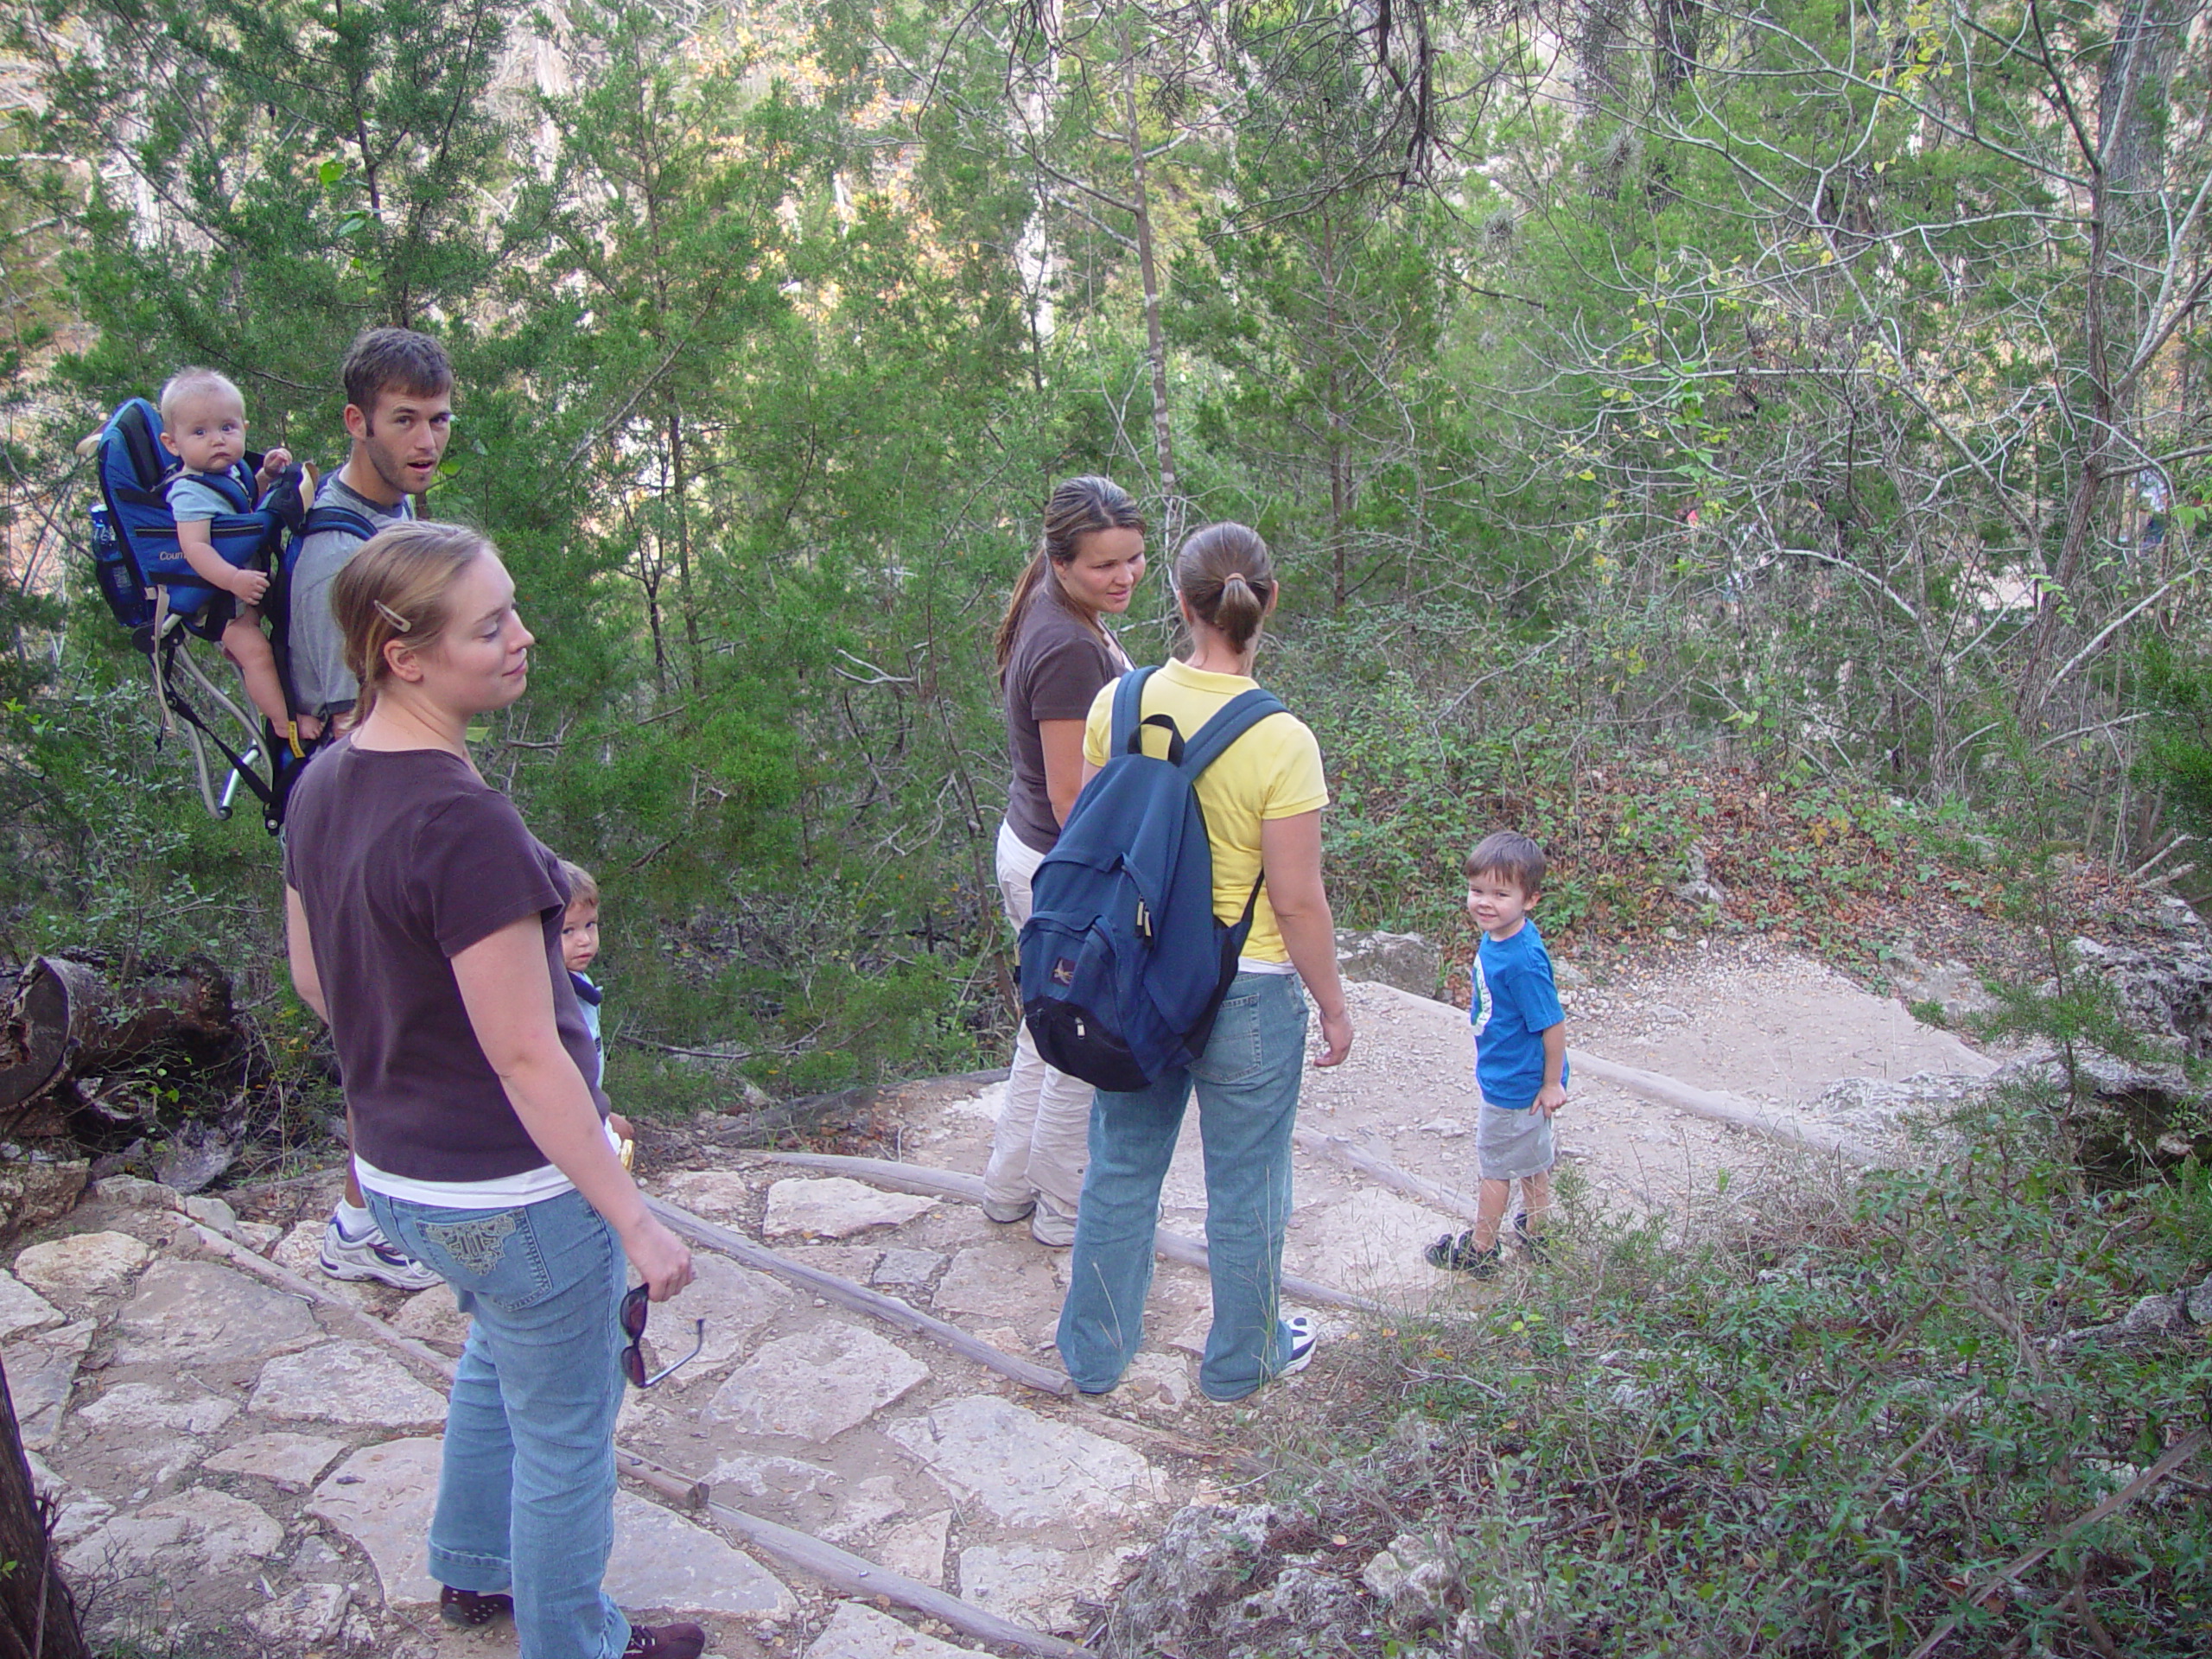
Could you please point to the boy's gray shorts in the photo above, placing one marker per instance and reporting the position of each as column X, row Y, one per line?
column 1510, row 1143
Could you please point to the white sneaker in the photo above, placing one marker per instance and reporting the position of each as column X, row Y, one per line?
column 371, row 1256
column 1304, row 1339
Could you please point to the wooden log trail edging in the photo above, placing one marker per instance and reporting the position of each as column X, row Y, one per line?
column 861, row 1300
column 839, row 1569
column 951, row 1184
column 1728, row 1109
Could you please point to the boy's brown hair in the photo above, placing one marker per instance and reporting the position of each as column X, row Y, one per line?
column 582, row 890
column 1511, row 854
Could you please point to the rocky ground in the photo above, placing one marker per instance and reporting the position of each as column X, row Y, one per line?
column 238, row 1470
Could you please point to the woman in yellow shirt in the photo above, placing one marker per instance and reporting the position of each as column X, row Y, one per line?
column 1262, row 801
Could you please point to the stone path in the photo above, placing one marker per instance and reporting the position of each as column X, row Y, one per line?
column 239, row 1471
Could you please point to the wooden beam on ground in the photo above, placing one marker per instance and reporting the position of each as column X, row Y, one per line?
column 1728, row 1109
column 1339, row 1149
column 952, row 1184
column 861, row 1300
column 839, row 1569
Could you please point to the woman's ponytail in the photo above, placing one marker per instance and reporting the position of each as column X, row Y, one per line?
column 1226, row 576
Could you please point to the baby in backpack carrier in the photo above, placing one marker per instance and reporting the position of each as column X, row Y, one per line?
column 203, row 425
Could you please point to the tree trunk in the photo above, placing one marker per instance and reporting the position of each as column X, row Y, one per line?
column 66, row 1016
column 2126, row 175
column 1163, row 442
column 38, row 1616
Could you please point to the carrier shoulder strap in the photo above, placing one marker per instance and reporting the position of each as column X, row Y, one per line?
column 226, row 485
column 322, row 516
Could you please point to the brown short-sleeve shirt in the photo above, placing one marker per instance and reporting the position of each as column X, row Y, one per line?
column 402, row 860
column 1056, row 668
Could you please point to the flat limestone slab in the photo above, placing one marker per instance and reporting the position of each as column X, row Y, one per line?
column 82, row 1266
column 858, row 1631
column 355, row 1383
column 1003, row 1280
column 198, row 1531
column 383, row 1496
column 816, row 1384
column 289, row 1462
column 196, row 1313
column 1027, row 1583
column 836, row 1207
column 140, row 1409
column 661, row 1559
column 23, row 1310
column 717, row 1194
column 1369, row 1242
column 905, row 1267
column 734, row 1301
column 432, row 1315
column 917, row 1548
column 41, row 1375
column 1024, row 1469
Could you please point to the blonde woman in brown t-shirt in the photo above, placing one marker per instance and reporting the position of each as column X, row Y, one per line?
column 1053, row 654
column 424, row 924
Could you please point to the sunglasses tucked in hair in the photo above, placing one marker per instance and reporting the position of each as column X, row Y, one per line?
column 634, row 1304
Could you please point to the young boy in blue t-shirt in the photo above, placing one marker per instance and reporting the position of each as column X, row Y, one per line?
column 1520, row 1052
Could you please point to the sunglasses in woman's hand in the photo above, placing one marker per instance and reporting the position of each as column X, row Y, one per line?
column 634, row 1304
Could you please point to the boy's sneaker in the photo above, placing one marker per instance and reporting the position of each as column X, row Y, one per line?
column 1530, row 1240
column 1458, row 1252
column 664, row 1641
column 371, row 1256
column 1006, row 1214
column 1304, row 1339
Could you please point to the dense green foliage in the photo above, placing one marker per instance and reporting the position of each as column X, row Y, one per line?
column 1788, row 384
column 1811, row 1424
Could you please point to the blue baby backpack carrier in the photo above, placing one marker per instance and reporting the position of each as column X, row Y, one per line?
column 1123, row 963
column 159, row 600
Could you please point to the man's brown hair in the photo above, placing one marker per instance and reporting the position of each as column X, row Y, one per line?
column 394, row 359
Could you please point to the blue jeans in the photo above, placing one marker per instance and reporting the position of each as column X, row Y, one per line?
column 1247, row 1104
column 526, row 1491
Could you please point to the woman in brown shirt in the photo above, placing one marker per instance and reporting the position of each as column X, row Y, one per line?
column 424, row 924
column 1053, row 654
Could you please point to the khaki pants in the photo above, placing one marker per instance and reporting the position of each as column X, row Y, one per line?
column 1044, row 1132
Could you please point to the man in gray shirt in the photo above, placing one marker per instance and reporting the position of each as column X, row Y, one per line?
column 399, row 415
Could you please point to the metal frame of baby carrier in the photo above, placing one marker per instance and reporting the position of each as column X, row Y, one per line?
column 163, row 603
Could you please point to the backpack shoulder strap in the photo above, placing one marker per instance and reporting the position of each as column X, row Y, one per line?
column 1126, row 737
column 322, row 516
column 1238, row 717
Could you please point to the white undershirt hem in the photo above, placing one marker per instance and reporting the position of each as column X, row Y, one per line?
column 531, row 1186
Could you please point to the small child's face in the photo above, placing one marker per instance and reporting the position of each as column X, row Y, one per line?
column 208, row 433
column 579, row 936
column 1497, row 904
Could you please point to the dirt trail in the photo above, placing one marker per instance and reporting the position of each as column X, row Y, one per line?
column 240, row 1473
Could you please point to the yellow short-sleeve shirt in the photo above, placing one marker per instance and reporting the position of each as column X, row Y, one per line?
column 1274, row 771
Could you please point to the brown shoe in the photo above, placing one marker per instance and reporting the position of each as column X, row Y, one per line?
column 664, row 1641
column 467, row 1609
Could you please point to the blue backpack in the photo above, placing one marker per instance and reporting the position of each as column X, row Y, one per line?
column 1123, row 963
column 158, row 598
